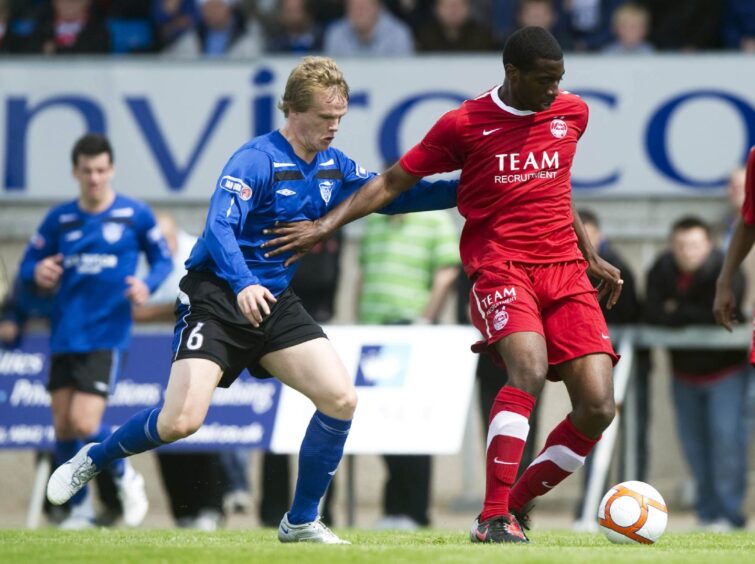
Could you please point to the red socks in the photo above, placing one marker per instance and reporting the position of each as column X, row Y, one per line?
column 564, row 453
column 507, row 433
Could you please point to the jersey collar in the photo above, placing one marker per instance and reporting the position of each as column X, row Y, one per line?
column 505, row 107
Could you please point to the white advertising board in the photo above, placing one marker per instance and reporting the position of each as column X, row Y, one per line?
column 660, row 125
column 414, row 386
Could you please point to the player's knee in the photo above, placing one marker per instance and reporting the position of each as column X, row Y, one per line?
column 529, row 375
column 343, row 404
column 179, row 427
column 83, row 428
column 600, row 414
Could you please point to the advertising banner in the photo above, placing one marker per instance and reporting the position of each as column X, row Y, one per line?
column 660, row 125
column 414, row 385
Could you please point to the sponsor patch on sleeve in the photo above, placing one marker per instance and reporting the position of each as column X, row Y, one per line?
column 361, row 172
column 37, row 241
column 236, row 186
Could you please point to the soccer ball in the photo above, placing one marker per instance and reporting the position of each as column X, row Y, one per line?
column 632, row 512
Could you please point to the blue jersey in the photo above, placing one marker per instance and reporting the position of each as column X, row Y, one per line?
column 264, row 182
column 100, row 250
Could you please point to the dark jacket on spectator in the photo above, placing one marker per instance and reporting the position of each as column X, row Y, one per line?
column 628, row 309
column 677, row 301
column 93, row 38
column 472, row 37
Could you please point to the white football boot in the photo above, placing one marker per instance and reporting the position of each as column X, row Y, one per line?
column 315, row 531
column 70, row 477
column 132, row 495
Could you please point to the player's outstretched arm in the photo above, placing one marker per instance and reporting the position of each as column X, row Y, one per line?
column 610, row 277
column 299, row 237
column 724, row 303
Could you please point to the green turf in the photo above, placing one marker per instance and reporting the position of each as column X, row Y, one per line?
column 261, row 546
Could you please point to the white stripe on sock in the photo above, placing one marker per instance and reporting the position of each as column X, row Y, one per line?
column 509, row 424
column 562, row 456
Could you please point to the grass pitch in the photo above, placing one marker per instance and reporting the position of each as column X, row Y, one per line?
column 262, row 546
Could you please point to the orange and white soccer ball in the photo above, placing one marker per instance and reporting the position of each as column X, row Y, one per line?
column 632, row 512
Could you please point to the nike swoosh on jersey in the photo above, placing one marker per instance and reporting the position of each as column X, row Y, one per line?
column 605, row 336
column 546, row 484
column 486, row 132
column 502, row 461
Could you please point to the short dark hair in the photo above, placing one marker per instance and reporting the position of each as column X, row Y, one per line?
column 588, row 216
column 690, row 222
column 90, row 145
column 528, row 44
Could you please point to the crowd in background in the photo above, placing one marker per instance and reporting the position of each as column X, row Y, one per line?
column 248, row 28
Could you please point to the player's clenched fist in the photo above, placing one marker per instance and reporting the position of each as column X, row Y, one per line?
column 48, row 271
column 137, row 291
column 253, row 303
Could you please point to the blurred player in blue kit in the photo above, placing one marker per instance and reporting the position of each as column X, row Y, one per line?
column 86, row 251
column 235, row 309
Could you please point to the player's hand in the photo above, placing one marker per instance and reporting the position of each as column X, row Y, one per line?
column 48, row 271
column 724, row 306
column 297, row 238
column 8, row 331
column 253, row 303
column 610, row 280
column 137, row 291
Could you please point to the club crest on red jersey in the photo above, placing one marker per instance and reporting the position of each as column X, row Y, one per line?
column 559, row 128
column 500, row 319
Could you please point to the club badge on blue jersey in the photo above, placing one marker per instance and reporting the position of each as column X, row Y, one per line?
column 112, row 232
column 326, row 190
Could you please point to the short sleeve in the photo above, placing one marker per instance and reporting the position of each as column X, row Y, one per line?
column 748, row 208
column 440, row 150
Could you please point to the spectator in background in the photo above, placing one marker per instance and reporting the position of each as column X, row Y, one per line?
column 453, row 29
column 709, row 387
column 294, row 29
column 173, row 18
column 588, row 22
column 222, row 31
column 368, row 30
column 409, row 264
column 66, row 27
column 193, row 481
column 685, row 25
column 739, row 25
column 541, row 13
column 631, row 26
column 4, row 26
column 23, row 303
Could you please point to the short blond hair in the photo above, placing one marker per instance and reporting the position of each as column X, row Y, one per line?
column 313, row 73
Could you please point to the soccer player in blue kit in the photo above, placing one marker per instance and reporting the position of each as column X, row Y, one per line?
column 86, row 251
column 235, row 309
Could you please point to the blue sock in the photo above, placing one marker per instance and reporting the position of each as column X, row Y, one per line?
column 118, row 466
column 65, row 450
column 321, row 451
column 136, row 435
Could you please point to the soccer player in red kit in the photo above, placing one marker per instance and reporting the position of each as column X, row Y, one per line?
column 528, row 255
column 724, row 304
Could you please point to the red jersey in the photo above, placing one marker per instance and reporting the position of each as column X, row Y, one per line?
column 515, row 189
column 748, row 208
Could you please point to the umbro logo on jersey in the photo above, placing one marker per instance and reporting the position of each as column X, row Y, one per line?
column 285, row 192
column 486, row 132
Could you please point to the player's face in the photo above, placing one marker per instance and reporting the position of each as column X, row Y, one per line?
column 535, row 90
column 690, row 248
column 316, row 128
column 94, row 174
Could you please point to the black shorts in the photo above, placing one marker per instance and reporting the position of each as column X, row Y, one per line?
column 94, row 372
column 210, row 325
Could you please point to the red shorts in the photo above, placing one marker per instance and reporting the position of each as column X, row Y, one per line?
column 555, row 300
